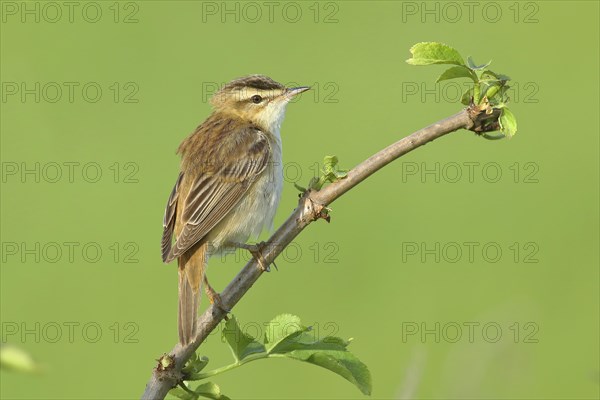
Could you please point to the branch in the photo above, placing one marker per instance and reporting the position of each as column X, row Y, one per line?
column 310, row 208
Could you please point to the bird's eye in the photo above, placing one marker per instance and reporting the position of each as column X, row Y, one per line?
column 256, row 99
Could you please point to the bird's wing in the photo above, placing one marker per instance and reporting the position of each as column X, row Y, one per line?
column 169, row 219
column 216, row 190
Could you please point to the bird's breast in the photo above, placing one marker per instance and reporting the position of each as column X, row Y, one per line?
column 256, row 211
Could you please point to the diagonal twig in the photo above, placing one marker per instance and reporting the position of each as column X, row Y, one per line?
column 311, row 207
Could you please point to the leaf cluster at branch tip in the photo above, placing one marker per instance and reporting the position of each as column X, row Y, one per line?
column 489, row 89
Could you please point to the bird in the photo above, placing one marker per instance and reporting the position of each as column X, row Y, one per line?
column 228, row 188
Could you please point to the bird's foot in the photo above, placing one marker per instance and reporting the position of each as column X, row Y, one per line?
column 215, row 299
column 256, row 250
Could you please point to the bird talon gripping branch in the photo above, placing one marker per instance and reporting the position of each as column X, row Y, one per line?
column 256, row 250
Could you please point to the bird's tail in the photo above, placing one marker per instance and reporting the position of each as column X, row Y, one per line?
column 191, row 275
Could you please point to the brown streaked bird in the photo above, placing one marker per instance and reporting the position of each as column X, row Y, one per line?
column 229, row 186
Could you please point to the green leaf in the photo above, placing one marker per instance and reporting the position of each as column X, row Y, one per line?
column 331, row 353
column 427, row 53
column 211, row 391
column 194, row 372
column 241, row 344
column 195, row 364
column 300, row 188
column 490, row 75
column 330, row 170
column 490, row 89
column 466, row 97
column 207, row 390
column 280, row 328
column 13, row 358
column 345, row 364
column 306, row 340
column 314, row 183
column 329, row 173
column 472, row 64
column 494, row 86
column 458, row 71
column 492, row 137
column 182, row 394
column 508, row 122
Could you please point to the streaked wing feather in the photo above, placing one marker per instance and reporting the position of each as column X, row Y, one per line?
column 192, row 233
column 169, row 219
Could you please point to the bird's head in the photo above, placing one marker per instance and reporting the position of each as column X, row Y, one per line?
column 256, row 98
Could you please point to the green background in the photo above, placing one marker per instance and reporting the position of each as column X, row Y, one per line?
column 362, row 282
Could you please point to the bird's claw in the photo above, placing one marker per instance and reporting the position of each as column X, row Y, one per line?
column 215, row 300
column 256, row 251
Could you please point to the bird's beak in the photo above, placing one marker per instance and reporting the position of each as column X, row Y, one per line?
column 291, row 92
